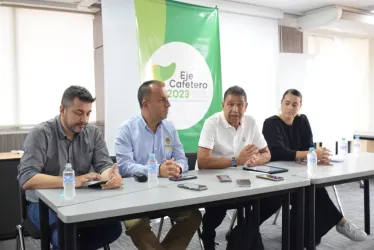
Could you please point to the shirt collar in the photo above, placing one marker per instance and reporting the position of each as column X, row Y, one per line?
column 227, row 124
column 144, row 124
column 60, row 130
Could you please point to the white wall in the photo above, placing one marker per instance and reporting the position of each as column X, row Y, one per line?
column 371, row 84
column 249, row 56
column 121, row 72
column 292, row 71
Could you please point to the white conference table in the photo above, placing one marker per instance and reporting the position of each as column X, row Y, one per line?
column 143, row 201
column 354, row 168
column 83, row 195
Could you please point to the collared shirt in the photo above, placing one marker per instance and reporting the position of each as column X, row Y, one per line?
column 135, row 141
column 47, row 150
column 226, row 141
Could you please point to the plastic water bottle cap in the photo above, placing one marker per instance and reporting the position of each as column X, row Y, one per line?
column 152, row 156
column 343, row 139
column 62, row 196
column 311, row 149
column 357, row 137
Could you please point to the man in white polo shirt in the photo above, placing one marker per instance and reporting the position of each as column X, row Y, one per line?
column 229, row 139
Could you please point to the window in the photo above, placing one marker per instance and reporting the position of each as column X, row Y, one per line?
column 41, row 54
column 7, row 115
column 336, row 89
column 333, row 76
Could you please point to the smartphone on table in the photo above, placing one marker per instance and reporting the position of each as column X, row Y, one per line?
column 224, row 178
column 270, row 177
column 183, row 178
column 95, row 184
column 244, row 182
column 193, row 186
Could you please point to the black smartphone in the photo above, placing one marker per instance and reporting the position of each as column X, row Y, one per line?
column 183, row 178
column 224, row 178
column 96, row 184
column 265, row 169
column 243, row 182
column 192, row 186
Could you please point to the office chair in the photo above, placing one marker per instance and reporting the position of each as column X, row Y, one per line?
column 27, row 226
column 192, row 157
column 114, row 159
column 232, row 223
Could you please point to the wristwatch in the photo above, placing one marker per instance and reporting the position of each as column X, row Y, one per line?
column 233, row 162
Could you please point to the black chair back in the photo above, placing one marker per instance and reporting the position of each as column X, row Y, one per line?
column 192, row 158
column 23, row 202
column 26, row 223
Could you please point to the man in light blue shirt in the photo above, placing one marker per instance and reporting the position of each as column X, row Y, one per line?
column 151, row 133
column 135, row 141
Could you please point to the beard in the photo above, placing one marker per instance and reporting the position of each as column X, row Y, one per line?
column 74, row 128
column 77, row 128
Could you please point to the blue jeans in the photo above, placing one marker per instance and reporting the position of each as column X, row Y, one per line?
column 89, row 238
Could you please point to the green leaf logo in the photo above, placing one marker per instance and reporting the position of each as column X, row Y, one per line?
column 163, row 73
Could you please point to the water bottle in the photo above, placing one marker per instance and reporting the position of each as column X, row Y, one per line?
column 312, row 162
column 152, row 171
column 69, row 182
column 343, row 149
column 356, row 145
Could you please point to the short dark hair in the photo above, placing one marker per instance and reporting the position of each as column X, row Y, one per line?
column 294, row 92
column 235, row 90
column 144, row 90
column 76, row 91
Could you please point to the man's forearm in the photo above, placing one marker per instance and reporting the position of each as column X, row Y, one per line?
column 43, row 181
column 301, row 154
column 212, row 162
column 129, row 169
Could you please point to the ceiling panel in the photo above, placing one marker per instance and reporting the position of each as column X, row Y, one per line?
column 63, row 1
column 301, row 6
column 86, row 6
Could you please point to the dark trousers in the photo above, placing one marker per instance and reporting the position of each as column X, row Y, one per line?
column 326, row 215
column 89, row 238
column 214, row 216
